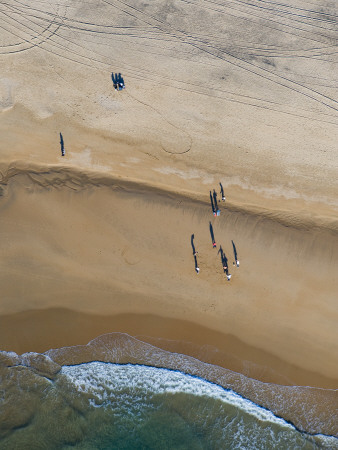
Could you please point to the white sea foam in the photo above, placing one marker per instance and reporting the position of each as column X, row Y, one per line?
column 101, row 379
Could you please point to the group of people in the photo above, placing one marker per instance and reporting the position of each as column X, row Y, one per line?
column 118, row 81
column 213, row 200
column 216, row 212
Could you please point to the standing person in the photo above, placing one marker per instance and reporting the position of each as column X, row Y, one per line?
column 235, row 254
column 212, row 235
column 196, row 264
column 225, row 268
column 120, row 81
column 222, row 192
column 224, row 260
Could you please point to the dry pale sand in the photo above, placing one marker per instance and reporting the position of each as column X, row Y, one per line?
column 99, row 240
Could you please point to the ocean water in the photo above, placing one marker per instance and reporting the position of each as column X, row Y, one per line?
column 109, row 405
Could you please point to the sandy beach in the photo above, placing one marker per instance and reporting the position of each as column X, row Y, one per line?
column 99, row 241
column 96, row 245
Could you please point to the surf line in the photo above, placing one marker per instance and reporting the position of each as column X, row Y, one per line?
column 275, row 418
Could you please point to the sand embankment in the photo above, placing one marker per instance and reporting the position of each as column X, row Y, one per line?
column 84, row 254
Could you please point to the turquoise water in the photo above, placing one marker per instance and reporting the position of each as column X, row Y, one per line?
column 99, row 405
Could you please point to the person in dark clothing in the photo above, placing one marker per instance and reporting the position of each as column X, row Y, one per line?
column 222, row 192
column 63, row 151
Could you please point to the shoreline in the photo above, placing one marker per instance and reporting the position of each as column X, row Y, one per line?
column 45, row 331
column 49, row 213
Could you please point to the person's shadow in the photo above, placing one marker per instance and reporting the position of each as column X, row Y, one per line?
column 193, row 245
column 222, row 191
column 212, row 203
column 194, row 252
column 114, row 77
column 224, row 260
column 62, row 145
column 235, row 250
column 215, row 198
column 212, row 234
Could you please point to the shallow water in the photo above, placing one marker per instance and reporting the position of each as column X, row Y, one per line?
column 108, row 405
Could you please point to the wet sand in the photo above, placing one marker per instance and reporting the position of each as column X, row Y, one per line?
column 42, row 330
column 99, row 240
column 95, row 248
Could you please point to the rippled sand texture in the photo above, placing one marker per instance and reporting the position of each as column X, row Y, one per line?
column 242, row 92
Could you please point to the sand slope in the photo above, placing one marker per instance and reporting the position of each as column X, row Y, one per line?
column 108, row 247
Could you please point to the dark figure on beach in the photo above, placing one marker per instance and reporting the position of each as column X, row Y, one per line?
column 194, row 252
column 63, row 151
column 121, row 82
column 193, row 245
column 212, row 235
column 196, row 264
column 224, row 260
column 114, row 78
column 215, row 197
column 212, row 204
column 217, row 211
column 235, row 254
column 118, row 81
column 222, row 192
